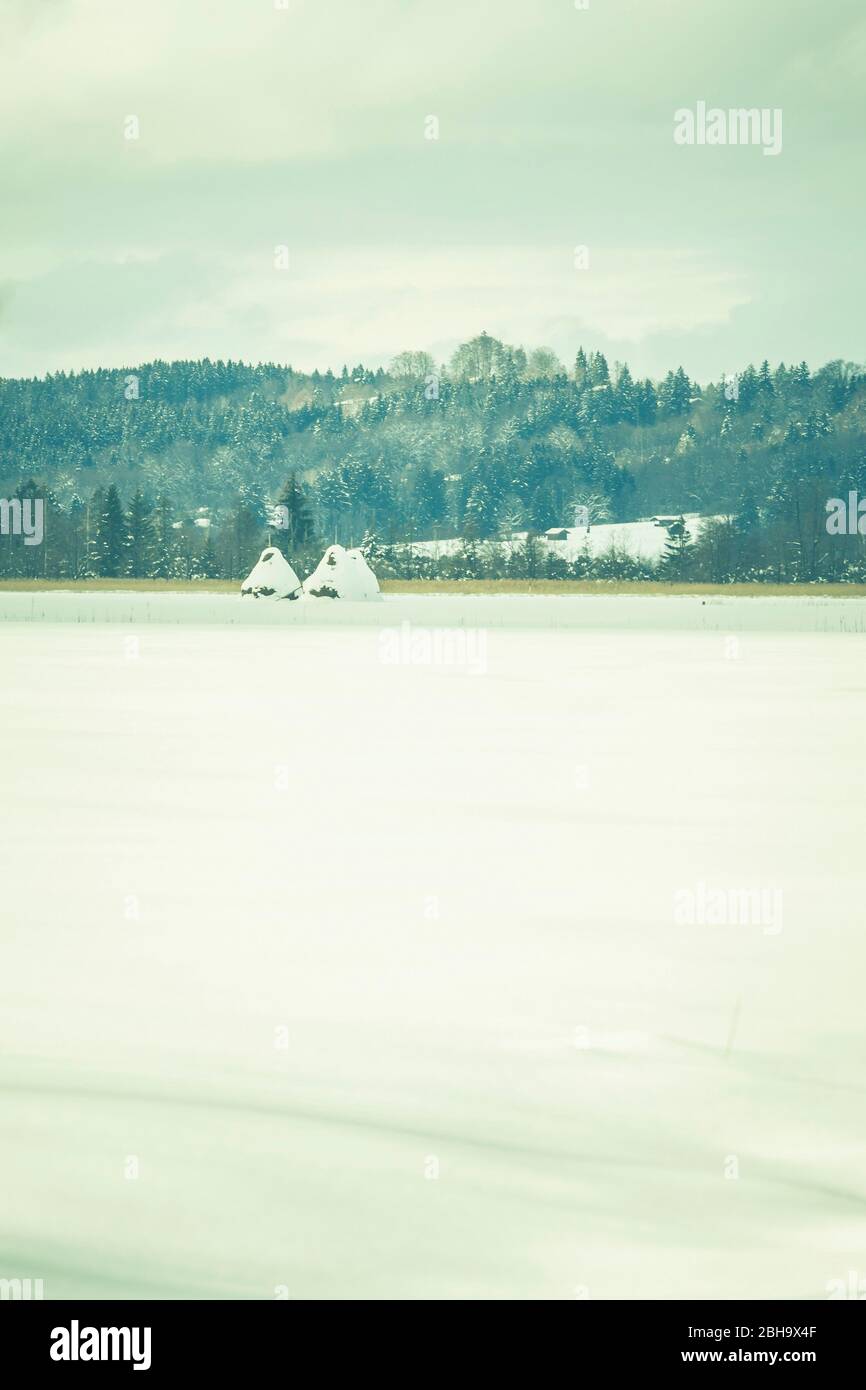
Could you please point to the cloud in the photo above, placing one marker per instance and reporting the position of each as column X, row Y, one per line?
column 260, row 126
column 357, row 303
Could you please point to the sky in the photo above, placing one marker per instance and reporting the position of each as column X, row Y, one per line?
column 154, row 156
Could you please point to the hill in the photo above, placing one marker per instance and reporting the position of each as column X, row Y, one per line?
column 170, row 468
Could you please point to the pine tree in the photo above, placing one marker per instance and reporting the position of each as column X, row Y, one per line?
column 75, row 533
column 479, row 519
column 599, row 373
column 625, row 396
column 164, row 557
column 647, row 403
column 30, row 560
column 247, row 530
column 89, row 562
column 676, row 393
column 112, row 537
column 766, row 389
column 373, row 551
column 526, row 560
column 204, row 562
column 141, row 536
column 748, row 389
column 676, row 560
column 300, row 528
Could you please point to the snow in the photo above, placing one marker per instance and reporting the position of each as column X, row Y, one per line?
column 644, row 540
column 371, row 970
column 272, row 577
column 342, row 574
column 567, row 612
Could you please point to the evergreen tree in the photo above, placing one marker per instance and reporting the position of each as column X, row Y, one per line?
column 300, row 529
column 140, row 530
column 748, row 389
column 374, row 552
column 647, row 403
column 90, row 561
column 479, row 517
column 676, row 393
column 204, row 562
column 676, row 560
column 599, row 373
column 766, row 389
column 164, row 557
column 112, row 538
column 625, row 396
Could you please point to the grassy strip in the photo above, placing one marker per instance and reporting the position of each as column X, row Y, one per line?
column 556, row 587
column 133, row 586
column 626, row 586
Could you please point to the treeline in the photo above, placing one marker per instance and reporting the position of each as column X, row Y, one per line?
column 727, row 551
column 171, row 468
column 105, row 539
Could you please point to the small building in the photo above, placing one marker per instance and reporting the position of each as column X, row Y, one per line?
column 556, row 533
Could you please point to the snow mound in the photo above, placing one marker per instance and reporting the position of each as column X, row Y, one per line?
column 272, row 577
column 342, row 574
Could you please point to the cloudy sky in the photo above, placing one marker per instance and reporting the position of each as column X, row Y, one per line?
column 306, row 127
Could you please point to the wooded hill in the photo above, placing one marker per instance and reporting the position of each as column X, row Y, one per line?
column 170, row 467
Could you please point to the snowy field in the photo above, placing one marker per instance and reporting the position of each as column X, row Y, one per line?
column 645, row 540
column 376, row 951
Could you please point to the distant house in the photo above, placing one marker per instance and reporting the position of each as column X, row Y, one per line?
column 556, row 533
column 353, row 405
column 664, row 520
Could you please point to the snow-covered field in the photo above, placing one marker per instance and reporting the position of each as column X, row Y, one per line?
column 346, row 949
column 646, row 540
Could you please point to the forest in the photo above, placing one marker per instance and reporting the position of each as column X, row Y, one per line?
column 172, row 469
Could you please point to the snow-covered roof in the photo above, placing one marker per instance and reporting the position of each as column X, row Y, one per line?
column 272, row 577
column 342, row 574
